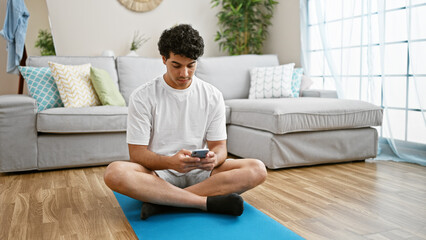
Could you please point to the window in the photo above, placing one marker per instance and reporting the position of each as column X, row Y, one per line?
column 373, row 51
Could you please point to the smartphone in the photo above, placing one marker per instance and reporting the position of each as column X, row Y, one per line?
column 200, row 153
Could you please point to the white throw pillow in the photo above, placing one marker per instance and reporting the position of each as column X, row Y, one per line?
column 306, row 83
column 74, row 85
column 271, row 82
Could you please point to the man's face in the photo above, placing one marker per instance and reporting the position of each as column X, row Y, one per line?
column 180, row 70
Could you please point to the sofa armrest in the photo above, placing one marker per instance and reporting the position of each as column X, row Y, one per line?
column 18, row 134
column 319, row 93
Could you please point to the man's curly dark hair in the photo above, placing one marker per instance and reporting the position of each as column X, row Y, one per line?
column 181, row 40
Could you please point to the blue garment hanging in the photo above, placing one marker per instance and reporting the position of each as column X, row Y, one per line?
column 14, row 31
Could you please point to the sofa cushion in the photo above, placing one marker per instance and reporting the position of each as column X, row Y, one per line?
column 286, row 115
column 107, row 91
column 82, row 120
column 42, row 87
column 135, row 71
column 296, row 81
column 271, row 82
column 74, row 85
column 105, row 63
column 231, row 74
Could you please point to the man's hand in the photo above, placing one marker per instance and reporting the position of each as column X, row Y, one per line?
column 183, row 162
column 209, row 162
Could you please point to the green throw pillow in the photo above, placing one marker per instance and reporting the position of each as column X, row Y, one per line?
column 105, row 88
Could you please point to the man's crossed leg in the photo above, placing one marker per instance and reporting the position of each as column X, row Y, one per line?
column 218, row 193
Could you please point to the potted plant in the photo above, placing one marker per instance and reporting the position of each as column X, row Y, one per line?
column 243, row 25
column 138, row 41
column 45, row 43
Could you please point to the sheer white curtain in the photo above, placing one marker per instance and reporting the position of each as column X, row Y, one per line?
column 375, row 51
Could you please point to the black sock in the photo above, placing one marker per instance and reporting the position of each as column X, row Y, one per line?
column 232, row 204
column 150, row 209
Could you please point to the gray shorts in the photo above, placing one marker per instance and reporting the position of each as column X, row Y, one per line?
column 183, row 180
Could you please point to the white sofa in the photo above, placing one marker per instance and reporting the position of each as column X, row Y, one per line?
column 281, row 132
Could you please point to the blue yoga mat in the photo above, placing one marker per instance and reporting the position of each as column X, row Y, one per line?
column 252, row 224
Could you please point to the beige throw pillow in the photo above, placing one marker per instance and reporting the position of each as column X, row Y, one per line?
column 74, row 85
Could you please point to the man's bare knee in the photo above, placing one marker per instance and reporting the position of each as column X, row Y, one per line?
column 119, row 174
column 113, row 175
column 257, row 171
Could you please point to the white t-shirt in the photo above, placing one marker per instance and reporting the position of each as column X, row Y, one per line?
column 168, row 119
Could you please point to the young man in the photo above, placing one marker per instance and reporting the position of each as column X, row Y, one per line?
column 168, row 118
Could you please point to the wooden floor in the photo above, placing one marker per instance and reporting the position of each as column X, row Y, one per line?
column 362, row 200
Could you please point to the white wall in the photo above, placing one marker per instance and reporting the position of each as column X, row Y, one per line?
column 88, row 27
column 284, row 34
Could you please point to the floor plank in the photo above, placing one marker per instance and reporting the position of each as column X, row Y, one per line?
column 360, row 200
